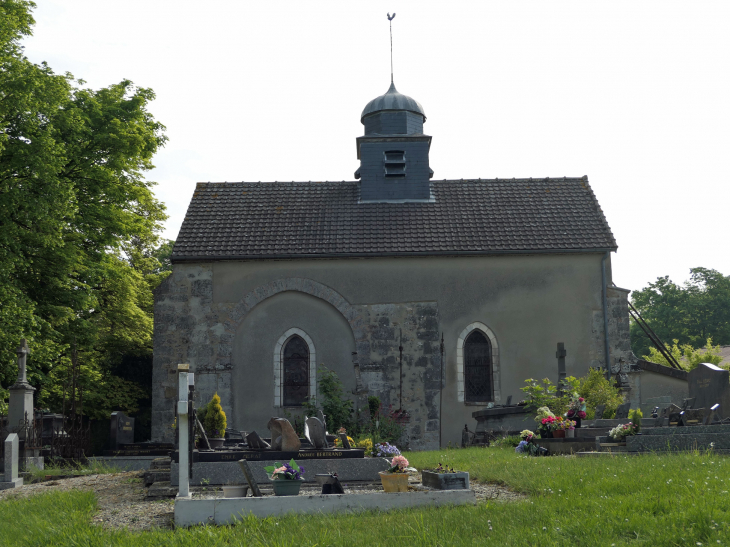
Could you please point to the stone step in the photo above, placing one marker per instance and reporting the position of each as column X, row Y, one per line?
column 687, row 430
column 161, row 463
column 161, row 490
column 159, row 475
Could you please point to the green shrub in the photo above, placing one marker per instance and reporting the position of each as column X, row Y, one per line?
column 215, row 419
column 596, row 390
column 687, row 356
column 544, row 393
column 635, row 417
column 337, row 409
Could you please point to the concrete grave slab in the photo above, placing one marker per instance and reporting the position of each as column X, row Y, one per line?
column 189, row 512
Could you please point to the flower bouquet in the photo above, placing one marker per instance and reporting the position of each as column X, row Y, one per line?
column 621, row 431
column 545, row 420
column 287, row 478
column 577, row 409
column 385, row 450
column 528, row 445
column 395, row 479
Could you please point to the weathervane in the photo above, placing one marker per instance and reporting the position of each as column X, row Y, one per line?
column 390, row 22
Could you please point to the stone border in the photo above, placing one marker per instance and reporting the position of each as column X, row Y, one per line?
column 189, row 512
column 279, row 363
column 662, row 369
column 476, row 325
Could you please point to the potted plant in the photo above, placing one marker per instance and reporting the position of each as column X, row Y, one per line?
column 545, row 420
column 569, row 426
column 235, row 491
column 395, row 479
column 287, row 479
column 621, row 431
column 445, row 478
column 577, row 409
column 215, row 422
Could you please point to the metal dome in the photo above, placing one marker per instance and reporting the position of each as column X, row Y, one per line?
column 393, row 100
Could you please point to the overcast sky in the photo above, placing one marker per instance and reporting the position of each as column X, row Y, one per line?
column 633, row 94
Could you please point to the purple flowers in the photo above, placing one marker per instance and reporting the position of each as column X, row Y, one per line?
column 385, row 450
column 289, row 471
column 522, row 447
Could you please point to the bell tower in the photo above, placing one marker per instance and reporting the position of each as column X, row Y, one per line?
column 393, row 153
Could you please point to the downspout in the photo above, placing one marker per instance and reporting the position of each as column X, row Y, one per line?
column 604, row 288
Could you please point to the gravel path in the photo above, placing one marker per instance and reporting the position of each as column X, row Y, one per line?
column 122, row 498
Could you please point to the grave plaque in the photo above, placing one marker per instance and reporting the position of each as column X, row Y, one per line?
column 599, row 411
column 622, row 412
column 710, row 385
column 122, row 430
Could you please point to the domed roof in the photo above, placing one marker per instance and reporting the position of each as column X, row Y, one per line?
column 393, row 100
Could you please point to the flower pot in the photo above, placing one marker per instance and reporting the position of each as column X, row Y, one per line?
column 446, row 481
column 570, row 433
column 216, row 442
column 559, row 434
column 286, row 487
column 577, row 422
column 394, row 482
column 237, row 491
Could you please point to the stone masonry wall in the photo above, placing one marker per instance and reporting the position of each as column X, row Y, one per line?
column 190, row 328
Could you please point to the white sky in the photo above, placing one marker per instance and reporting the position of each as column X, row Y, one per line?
column 633, row 94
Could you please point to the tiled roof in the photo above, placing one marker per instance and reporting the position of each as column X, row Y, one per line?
column 324, row 219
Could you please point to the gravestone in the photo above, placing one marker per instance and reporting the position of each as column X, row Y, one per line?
column 710, row 385
column 20, row 405
column 345, row 442
column 122, row 430
column 622, row 412
column 600, row 409
column 509, row 401
column 254, row 441
column 283, row 436
column 10, row 479
column 314, row 432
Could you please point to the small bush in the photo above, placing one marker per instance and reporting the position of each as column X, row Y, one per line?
column 596, row 390
column 215, row 419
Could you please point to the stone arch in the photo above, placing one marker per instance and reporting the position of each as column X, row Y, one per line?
column 460, row 359
column 279, row 363
column 318, row 290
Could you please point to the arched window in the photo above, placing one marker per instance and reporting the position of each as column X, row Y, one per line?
column 477, row 365
column 477, row 368
column 295, row 365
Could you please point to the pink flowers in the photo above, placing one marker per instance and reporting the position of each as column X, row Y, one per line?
column 398, row 465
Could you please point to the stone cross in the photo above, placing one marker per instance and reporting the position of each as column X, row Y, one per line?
column 11, row 480
column 22, row 352
column 560, row 354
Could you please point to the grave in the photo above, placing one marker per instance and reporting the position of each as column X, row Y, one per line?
column 710, row 385
column 12, row 450
column 122, row 430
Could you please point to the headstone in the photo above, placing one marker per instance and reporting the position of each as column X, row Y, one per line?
column 255, row 491
column 710, row 385
column 20, row 405
column 314, row 432
column 254, row 441
column 509, row 401
column 622, row 412
column 12, row 448
column 712, row 415
column 330, row 483
column 283, row 436
column 122, row 430
column 345, row 441
column 600, row 409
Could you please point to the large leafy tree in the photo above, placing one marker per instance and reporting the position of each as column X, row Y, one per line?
column 687, row 314
column 79, row 223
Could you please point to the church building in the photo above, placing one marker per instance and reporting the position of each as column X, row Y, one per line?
column 449, row 294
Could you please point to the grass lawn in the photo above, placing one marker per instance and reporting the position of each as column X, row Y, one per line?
column 655, row 500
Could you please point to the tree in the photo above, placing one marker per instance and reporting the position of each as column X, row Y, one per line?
column 687, row 356
column 79, row 224
column 689, row 314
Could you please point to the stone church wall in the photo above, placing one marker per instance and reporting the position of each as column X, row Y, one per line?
column 225, row 318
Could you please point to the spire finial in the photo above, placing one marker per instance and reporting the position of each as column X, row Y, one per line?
column 390, row 23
